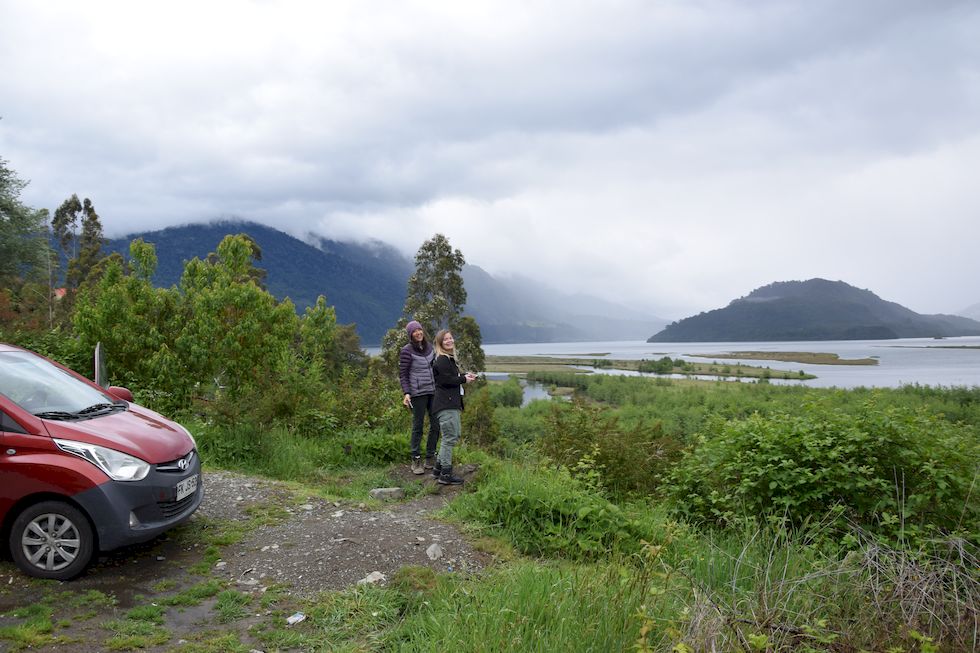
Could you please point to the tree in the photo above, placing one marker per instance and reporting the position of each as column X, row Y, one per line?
column 436, row 295
column 256, row 274
column 318, row 338
column 234, row 332
column 25, row 257
column 23, row 231
column 83, row 252
column 137, row 324
column 435, row 299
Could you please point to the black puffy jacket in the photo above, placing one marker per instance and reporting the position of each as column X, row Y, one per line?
column 449, row 392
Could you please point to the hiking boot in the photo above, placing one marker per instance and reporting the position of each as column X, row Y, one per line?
column 436, row 470
column 430, row 462
column 447, row 478
column 417, row 467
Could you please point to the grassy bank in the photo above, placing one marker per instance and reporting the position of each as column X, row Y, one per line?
column 665, row 365
column 813, row 358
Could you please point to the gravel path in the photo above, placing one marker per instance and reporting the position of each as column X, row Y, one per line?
column 325, row 545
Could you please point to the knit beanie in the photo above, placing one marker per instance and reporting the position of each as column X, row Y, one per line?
column 412, row 327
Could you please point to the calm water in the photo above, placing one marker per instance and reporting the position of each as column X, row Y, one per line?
column 925, row 361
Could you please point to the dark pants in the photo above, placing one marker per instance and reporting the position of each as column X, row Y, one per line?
column 420, row 408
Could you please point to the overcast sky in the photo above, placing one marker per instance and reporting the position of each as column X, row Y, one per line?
column 672, row 154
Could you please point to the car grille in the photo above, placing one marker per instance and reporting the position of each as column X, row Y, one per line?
column 178, row 466
column 173, row 508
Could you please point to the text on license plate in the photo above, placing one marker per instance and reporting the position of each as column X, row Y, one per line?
column 187, row 486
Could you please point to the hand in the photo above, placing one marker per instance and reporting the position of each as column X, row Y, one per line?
column 407, row 400
column 470, row 377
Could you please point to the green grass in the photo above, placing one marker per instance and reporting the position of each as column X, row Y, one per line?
column 529, row 606
column 132, row 635
column 35, row 631
column 232, row 605
column 194, row 595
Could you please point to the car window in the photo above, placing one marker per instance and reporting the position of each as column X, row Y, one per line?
column 8, row 425
column 37, row 386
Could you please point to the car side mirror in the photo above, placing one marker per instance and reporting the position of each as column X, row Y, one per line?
column 99, row 365
column 120, row 393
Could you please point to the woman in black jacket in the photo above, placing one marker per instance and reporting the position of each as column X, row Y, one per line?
column 447, row 404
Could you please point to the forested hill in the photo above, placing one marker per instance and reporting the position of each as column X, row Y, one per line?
column 365, row 283
column 816, row 309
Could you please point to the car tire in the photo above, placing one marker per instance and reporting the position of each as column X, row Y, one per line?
column 52, row 539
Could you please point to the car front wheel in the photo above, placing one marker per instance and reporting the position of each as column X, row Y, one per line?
column 51, row 539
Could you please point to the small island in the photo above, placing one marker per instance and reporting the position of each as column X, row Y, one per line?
column 811, row 357
column 665, row 365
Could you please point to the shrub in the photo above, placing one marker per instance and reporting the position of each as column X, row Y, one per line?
column 479, row 425
column 590, row 438
column 371, row 400
column 548, row 512
column 509, row 393
column 898, row 472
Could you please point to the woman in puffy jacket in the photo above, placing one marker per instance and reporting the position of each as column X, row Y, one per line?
column 447, row 404
column 418, row 384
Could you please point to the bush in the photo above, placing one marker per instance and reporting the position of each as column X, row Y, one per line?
column 590, row 440
column 479, row 425
column 548, row 512
column 509, row 393
column 897, row 472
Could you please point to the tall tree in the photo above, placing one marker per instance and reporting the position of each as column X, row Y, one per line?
column 23, row 232
column 83, row 252
column 436, row 297
column 25, row 258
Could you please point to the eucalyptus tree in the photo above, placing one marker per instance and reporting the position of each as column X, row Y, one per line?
column 82, row 251
column 436, row 298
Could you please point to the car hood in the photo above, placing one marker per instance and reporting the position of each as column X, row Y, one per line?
column 137, row 431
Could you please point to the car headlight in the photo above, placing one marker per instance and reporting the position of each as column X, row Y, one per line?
column 117, row 465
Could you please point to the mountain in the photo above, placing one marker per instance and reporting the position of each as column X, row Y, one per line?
column 816, row 309
column 972, row 312
column 518, row 309
column 366, row 283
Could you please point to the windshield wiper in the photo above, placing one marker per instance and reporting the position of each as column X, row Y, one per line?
column 57, row 415
column 94, row 408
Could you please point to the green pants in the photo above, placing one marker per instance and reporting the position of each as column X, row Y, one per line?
column 450, row 424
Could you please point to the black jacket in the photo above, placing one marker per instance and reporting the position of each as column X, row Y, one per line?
column 448, row 381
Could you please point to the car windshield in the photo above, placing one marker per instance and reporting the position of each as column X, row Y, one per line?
column 41, row 388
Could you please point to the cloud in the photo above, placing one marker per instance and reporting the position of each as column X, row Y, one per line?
column 671, row 154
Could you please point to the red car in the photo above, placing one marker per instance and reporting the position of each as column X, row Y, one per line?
column 83, row 469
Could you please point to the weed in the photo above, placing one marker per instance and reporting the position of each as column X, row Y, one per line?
column 34, row 632
column 231, row 606
column 130, row 635
column 150, row 613
column 193, row 595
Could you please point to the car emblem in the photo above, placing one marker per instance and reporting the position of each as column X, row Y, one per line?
column 182, row 463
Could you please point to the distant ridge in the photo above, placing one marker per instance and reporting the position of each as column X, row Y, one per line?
column 366, row 284
column 972, row 312
column 816, row 309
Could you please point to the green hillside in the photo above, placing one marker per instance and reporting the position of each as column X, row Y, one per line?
column 816, row 309
column 365, row 283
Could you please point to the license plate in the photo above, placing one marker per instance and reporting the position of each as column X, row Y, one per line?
column 187, row 486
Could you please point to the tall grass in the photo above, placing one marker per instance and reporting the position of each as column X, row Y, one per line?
column 528, row 606
column 544, row 511
column 769, row 590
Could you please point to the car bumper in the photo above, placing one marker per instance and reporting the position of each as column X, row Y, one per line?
column 126, row 513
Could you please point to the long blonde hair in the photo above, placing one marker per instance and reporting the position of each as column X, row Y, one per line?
column 438, row 344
